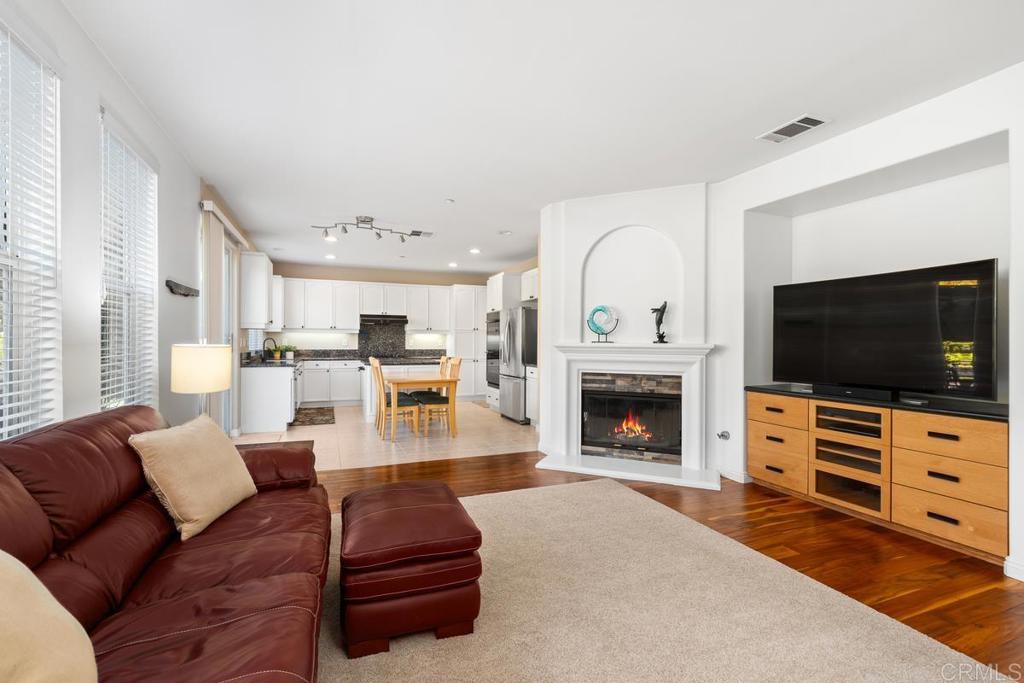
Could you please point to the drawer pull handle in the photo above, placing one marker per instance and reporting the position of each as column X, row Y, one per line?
column 773, row 409
column 943, row 476
column 773, row 468
column 943, row 518
column 944, row 436
column 776, row 439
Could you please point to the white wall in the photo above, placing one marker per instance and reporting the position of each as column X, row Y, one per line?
column 768, row 261
column 88, row 81
column 986, row 107
column 963, row 218
column 630, row 251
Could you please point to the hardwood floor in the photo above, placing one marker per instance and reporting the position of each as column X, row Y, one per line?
column 966, row 603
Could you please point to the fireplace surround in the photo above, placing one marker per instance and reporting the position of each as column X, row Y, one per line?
column 684, row 363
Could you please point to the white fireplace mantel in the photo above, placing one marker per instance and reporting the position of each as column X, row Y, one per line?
column 686, row 360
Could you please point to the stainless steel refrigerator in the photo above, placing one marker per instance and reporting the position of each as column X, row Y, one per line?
column 517, row 350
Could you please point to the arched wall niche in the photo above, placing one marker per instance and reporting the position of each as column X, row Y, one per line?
column 632, row 269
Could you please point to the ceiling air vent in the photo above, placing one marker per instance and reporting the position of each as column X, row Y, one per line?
column 792, row 129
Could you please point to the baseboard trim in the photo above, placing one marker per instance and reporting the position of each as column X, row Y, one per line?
column 738, row 477
column 1014, row 568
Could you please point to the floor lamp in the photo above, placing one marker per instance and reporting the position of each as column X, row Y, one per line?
column 202, row 369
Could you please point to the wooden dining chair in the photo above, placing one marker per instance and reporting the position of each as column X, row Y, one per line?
column 407, row 405
column 436, row 402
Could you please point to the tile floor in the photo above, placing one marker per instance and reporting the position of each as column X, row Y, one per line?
column 352, row 442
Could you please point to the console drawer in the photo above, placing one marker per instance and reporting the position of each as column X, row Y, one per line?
column 782, row 469
column 963, row 479
column 788, row 411
column 966, row 523
column 981, row 441
column 776, row 439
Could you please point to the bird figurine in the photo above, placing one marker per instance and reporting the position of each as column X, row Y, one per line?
column 659, row 318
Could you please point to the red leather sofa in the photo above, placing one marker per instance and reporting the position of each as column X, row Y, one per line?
column 239, row 602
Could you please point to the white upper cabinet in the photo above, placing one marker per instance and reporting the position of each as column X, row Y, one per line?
column 276, row 304
column 494, row 293
column 256, row 277
column 440, row 305
column 465, row 313
column 319, row 305
column 394, row 300
column 531, row 285
column 371, row 299
column 346, row 306
column 417, row 301
column 294, row 304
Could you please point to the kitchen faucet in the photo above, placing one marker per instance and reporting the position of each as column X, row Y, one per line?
column 268, row 339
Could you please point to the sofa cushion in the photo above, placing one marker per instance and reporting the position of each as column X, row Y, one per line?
column 404, row 521
column 278, row 532
column 25, row 532
column 39, row 641
column 195, row 471
column 218, row 634
column 409, row 578
column 83, row 469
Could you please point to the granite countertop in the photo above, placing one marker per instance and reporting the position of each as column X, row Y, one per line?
column 269, row 363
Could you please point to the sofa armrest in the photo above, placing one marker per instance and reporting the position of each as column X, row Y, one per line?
column 279, row 465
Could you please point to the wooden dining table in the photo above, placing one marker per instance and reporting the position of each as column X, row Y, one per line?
column 423, row 381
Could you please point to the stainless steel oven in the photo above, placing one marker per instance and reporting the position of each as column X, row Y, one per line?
column 493, row 348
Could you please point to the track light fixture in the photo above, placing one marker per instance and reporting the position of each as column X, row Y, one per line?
column 366, row 223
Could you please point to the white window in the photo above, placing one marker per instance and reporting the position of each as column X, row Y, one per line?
column 128, row 363
column 30, row 387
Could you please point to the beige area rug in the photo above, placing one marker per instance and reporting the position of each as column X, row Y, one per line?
column 595, row 582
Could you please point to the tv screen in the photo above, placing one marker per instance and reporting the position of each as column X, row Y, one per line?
column 930, row 330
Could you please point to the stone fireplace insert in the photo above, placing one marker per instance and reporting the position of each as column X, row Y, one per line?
column 633, row 416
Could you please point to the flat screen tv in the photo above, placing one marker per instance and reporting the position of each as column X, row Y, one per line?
column 930, row 331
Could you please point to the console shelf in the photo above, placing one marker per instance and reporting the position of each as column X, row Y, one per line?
column 950, row 486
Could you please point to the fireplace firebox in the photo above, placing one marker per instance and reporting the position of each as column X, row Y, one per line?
column 632, row 416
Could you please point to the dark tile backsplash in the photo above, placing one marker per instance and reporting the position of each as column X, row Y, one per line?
column 383, row 341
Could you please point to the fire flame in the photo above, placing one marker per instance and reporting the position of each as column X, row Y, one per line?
column 632, row 428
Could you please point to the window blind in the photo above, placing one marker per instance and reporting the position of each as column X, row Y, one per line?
column 30, row 350
column 128, row 364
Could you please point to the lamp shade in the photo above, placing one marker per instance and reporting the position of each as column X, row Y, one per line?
column 200, row 368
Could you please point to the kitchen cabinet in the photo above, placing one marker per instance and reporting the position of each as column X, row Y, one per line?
column 344, row 381
column 276, row 304
column 503, row 291
column 316, row 383
column 256, row 275
column 480, row 382
column 417, row 301
column 346, row 306
column 532, row 395
column 266, row 403
column 394, row 300
column 294, row 304
column 466, row 316
column 319, row 305
column 530, row 290
column 439, row 309
column 371, row 299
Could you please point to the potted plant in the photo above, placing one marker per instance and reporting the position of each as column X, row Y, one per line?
column 289, row 351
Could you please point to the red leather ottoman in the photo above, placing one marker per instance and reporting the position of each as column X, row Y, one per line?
column 409, row 563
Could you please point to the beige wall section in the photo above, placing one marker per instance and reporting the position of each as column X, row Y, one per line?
column 402, row 277
column 209, row 192
column 523, row 266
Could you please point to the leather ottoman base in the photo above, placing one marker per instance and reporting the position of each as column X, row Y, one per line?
column 367, row 626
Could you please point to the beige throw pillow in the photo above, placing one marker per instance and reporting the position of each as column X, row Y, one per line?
column 40, row 642
column 195, row 471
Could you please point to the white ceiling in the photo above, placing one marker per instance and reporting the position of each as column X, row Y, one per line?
column 316, row 111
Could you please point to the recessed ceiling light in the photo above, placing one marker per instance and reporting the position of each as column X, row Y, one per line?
column 504, row 233
column 449, row 200
column 474, row 250
column 329, row 257
column 453, row 264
